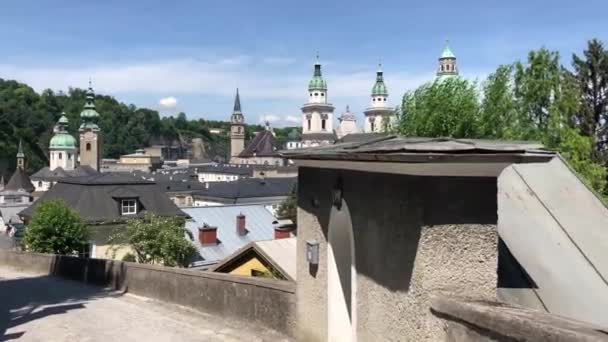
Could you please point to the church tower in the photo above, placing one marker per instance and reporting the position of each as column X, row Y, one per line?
column 90, row 137
column 348, row 124
column 447, row 64
column 20, row 157
column 62, row 148
column 317, row 114
column 379, row 116
column 237, row 130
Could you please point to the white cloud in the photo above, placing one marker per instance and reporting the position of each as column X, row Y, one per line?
column 292, row 119
column 168, row 102
column 270, row 118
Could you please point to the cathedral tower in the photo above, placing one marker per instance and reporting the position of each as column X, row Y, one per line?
column 237, row 130
column 62, row 148
column 317, row 114
column 90, row 137
column 447, row 64
column 379, row 116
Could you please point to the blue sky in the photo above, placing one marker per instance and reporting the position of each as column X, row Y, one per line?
column 198, row 52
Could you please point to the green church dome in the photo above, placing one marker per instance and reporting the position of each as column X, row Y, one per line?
column 447, row 53
column 317, row 82
column 63, row 141
column 89, row 111
column 379, row 88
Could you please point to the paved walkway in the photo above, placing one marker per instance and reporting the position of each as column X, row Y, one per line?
column 43, row 308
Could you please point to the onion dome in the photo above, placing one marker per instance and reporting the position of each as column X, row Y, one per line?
column 379, row 88
column 62, row 139
column 317, row 82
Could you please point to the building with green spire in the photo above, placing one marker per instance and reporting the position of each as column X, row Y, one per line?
column 317, row 113
column 380, row 115
column 62, row 147
column 447, row 64
column 90, row 137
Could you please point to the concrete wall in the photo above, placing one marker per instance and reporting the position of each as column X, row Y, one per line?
column 413, row 236
column 473, row 320
column 267, row 302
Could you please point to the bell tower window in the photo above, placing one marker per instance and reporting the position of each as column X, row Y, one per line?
column 88, row 146
column 308, row 124
column 323, row 124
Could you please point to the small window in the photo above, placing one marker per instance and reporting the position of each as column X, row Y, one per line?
column 69, row 156
column 39, row 184
column 128, row 206
column 441, row 67
column 309, row 124
column 88, row 146
column 323, row 124
column 60, row 155
column 310, row 94
column 322, row 94
column 374, row 99
column 373, row 126
column 316, row 94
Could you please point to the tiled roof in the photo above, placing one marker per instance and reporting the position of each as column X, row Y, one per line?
column 262, row 145
column 95, row 198
column 329, row 136
column 46, row 174
column 259, row 225
column 19, row 181
column 232, row 169
column 249, row 188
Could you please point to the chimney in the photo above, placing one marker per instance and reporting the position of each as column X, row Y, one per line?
column 207, row 235
column 241, row 227
column 281, row 232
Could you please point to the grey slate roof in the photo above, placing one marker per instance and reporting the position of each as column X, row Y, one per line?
column 329, row 136
column 96, row 198
column 19, row 181
column 233, row 169
column 259, row 224
column 262, row 145
column 45, row 174
column 249, row 188
column 361, row 137
column 402, row 149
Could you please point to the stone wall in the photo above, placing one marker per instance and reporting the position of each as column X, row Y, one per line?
column 413, row 236
column 474, row 320
column 268, row 302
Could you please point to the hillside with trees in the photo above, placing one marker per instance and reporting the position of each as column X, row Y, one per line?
column 30, row 116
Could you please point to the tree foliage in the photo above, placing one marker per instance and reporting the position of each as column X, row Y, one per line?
column 56, row 229
column 288, row 209
column 533, row 100
column 155, row 239
column 445, row 108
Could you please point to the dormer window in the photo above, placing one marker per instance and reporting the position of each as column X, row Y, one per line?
column 128, row 206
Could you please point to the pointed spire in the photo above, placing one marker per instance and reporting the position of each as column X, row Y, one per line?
column 20, row 153
column 317, row 82
column 447, row 53
column 237, row 102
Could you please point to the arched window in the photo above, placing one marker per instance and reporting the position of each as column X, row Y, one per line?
column 40, row 184
column 60, row 155
column 373, row 125
column 323, row 124
column 441, row 67
column 308, row 124
column 69, row 156
column 88, row 146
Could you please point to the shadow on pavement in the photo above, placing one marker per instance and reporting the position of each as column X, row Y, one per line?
column 26, row 299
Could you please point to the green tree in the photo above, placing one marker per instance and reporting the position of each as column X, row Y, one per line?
column 591, row 72
column 156, row 239
column 443, row 108
column 288, row 209
column 56, row 229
